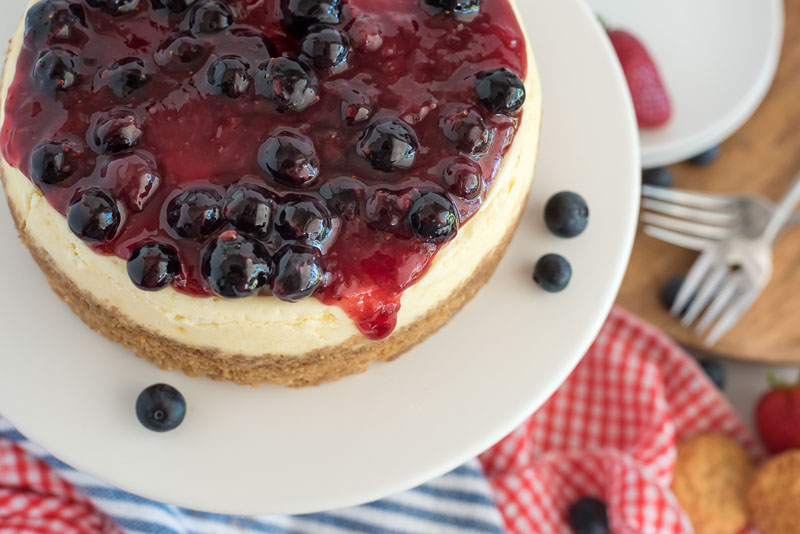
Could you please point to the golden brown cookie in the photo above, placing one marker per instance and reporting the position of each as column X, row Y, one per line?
column 712, row 475
column 774, row 497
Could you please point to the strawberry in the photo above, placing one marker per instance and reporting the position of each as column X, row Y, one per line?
column 778, row 416
column 650, row 98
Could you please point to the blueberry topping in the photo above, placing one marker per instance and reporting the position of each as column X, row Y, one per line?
column 299, row 15
column 552, row 273
column 94, row 217
column 327, row 50
column 136, row 177
column 180, row 53
column 290, row 157
column 175, row 6
column 153, row 266
column 466, row 128
column 287, row 83
column 566, row 214
column 463, row 178
column 389, row 144
column 210, row 16
column 344, row 196
column 125, row 77
column 715, row 371
column 229, row 76
column 500, row 91
column 56, row 70
column 304, row 220
column 387, row 210
column 115, row 132
column 589, row 516
column 114, row 7
column 195, row 213
column 433, row 217
column 249, row 210
column 708, row 157
column 298, row 273
column 658, row 176
column 55, row 21
column 236, row 266
column 160, row 408
column 455, row 7
column 56, row 161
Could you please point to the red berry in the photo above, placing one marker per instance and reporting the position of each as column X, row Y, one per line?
column 778, row 418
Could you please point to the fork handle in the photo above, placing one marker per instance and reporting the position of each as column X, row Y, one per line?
column 783, row 212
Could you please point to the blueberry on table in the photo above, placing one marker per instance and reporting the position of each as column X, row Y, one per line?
column 153, row 266
column 500, row 91
column 715, row 371
column 707, row 158
column 552, row 273
column 658, row 176
column 589, row 516
column 566, row 214
column 236, row 266
column 94, row 217
column 160, row 408
column 669, row 292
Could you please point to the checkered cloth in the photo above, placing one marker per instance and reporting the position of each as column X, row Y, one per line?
column 609, row 431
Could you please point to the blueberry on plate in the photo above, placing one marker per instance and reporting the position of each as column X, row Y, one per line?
column 195, row 213
column 566, row 214
column 658, row 176
column 153, row 266
column 389, row 144
column 287, row 83
column 500, row 91
column 56, row 161
column 552, row 273
column 298, row 273
column 589, row 516
column 456, row 7
column 236, row 266
column 708, row 157
column 94, row 217
column 715, row 371
column 160, row 408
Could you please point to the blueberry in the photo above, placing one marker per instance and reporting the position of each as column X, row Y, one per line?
column 210, row 16
column 387, row 210
column 433, row 217
column 175, row 6
column 500, row 91
column 344, row 196
column 290, row 158
column 715, row 371
column 125, row 77
column 300, row 15
column 589, row 516
column 94, row 217
column 229, row 76
column 249, row 210
column 658, row 176
column 114, row 7
column 566, row 214
column 181, row 53
column 708, row 157
column 56, row 21
column 298, row 273
column 115, row 132
column 463, row 178
column 153, row 266
column 456, row 7
column 56, row 70
column 327, row 50
column 57, row 161
column 552, row 273
column 389, row 144
column 195, row 213
column 160, row 408
column 465, row 127
column 305, row 221
column 287, row 83
column 669, row 292
column 236, row 266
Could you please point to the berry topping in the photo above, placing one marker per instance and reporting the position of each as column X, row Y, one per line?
column 566, row 214
column 249, row 210
column 153, row 266
column 463, row 178
column 287, row 83
column 56, row 161
column 290, row 158
column 236, row 266
column 175, row 6
column 55, row 70
column 181, row 53
column 304, row 220
column 589, row 516
column 160, row 408
column 500, row 91
column 229, row 76
column 658, row 176
column 465, row 127
column 433, row 217
column 327, row 50
column 552, row 273
column 94, row 217
column 389, row 144
column 115, row 132
column 387, row 211
column 56, row 21
column 195, row 213
column 300, row 15
column 210, row 16
column 136, row 178
column 456, row 7
column 298, row 273
column 344, row 196
column 114, row 7
column 124, row 77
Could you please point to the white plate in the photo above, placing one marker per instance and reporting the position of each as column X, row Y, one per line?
column 276, row 451
column 717, row 58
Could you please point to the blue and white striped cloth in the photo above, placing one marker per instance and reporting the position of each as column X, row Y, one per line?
column 457, row 503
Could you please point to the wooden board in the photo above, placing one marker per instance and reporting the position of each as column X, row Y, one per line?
column 763, row 157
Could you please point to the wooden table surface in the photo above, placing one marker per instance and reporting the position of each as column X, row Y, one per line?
column 763, row 157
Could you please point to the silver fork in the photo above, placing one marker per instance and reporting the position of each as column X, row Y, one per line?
column 730, row 274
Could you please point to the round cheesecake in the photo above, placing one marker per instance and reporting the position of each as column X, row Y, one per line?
column 281, row 191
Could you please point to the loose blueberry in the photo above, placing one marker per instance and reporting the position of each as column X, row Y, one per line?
column 124, row 77
column 456, row 7
column 181, row 53
column 210, row 16
column 715, row 371
column 94, row 217
column 174, row 6
column 229, row 76
column 135, row 176
column 389, row 144
column 114, row 7
column 433, row 217
column 195, row 213
column 500, row 91
column 249, row 210
column 160, row 408
column 56, row 70
column 298, row 273
column 153, row 266
column 658, row 176
column 387, row 210
column 305, row 221
column 463, row 178
column 327, row 50
column 115, row 132
column 566, row 214
column 56, row 22
column 287, row 83
column 708, row 157
column 344, row 196
column 236, row 266
column 589, row 516
column 290, row 157
column 57, row 161
column 465, row 127
column 552, row 273
column 669, row 292
column 300, row 15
